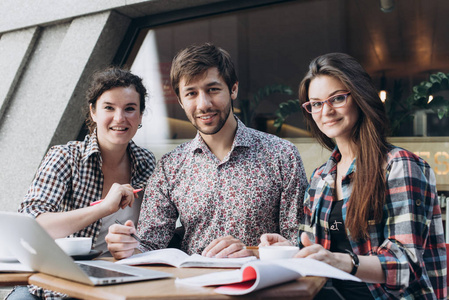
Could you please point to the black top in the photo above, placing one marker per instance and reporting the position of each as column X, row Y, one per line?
column 339, row 239
column 339, row 242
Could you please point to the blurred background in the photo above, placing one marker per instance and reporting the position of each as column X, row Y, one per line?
column 49, row 48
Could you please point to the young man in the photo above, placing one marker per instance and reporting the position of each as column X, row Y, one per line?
column 229, row 185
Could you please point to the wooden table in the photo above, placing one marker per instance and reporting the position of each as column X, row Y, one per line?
column 303, row 288
column 12, row 279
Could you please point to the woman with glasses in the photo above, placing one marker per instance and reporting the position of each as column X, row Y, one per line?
column 371, row 210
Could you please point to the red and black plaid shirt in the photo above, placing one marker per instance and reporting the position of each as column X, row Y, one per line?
column 409, row 241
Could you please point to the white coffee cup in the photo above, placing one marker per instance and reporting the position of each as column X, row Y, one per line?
column 5, row 254
column 277, row 252
column 75, row 245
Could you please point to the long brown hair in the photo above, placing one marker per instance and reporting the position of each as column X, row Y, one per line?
column 368, row 135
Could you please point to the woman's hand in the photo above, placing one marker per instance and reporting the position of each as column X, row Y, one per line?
column 341, row 261
column 119, row 196
column 273, row 239
column 370, row 269
column 315, row 251
column 62, row 224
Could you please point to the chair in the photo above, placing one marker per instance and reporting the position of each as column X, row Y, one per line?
column 447, row 224
column 447, row 243
column 328, row 292
column 447, row 261
column 176, row 240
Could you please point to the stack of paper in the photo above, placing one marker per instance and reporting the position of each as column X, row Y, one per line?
column 257, row 275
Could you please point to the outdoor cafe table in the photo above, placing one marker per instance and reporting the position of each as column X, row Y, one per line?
column 303, row 288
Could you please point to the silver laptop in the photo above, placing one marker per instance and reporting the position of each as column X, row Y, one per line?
column 34, row 247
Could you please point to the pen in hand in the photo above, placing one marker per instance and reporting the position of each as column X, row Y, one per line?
column 251, row 247
column 132, row 234
column 99, row 201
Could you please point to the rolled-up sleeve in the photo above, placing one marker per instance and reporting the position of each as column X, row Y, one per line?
column 408, row 214
column 49, row 185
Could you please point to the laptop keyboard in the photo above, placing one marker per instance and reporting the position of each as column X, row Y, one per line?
column 101, row 272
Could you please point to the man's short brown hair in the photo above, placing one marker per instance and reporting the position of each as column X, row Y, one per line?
column 195, row 60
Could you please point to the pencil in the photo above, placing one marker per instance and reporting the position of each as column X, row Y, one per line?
column 132, row 234
column 251, row 247
column 99, row 201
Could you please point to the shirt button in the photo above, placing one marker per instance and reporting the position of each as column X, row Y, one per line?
column 418, row 202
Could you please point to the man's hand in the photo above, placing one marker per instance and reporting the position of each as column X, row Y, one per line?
column 226, row 246
column 120, row 242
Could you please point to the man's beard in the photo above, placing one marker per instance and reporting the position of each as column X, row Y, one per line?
column 220, row 124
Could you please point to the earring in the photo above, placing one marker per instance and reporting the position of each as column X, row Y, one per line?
column 140, row 126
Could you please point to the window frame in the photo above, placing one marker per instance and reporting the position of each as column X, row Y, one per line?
column 137, row 25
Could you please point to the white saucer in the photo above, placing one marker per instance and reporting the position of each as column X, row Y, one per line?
column 8, row 258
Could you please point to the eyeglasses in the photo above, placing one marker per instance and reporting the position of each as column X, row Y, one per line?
column 313, row 107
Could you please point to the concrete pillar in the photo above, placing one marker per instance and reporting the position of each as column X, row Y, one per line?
column 44, row 107
column 15, row 49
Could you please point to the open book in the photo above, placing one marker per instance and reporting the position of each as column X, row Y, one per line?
column 257, row 275
column 177, row 258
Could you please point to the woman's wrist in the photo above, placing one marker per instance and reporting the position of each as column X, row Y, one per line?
column 354, row 260
column 344, row 262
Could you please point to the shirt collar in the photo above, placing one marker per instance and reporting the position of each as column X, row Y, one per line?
column 91, row 146
column 242, row 138
column 330, row 168
column 138, row 161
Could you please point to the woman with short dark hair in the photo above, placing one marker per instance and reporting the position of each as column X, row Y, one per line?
column 106, row 165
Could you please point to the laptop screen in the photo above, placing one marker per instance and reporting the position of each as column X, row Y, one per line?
column 35, row 248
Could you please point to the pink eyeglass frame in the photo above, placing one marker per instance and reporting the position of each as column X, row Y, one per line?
column 326, row 101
